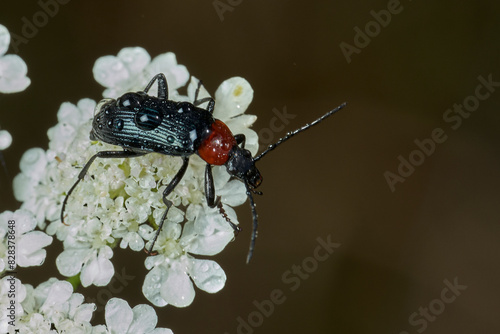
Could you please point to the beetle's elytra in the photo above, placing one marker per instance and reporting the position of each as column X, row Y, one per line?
column 141, row 124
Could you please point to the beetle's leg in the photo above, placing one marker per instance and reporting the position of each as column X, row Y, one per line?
column 162, row 86
column 216, row 202
column 211, row 102
column 102, row 154
column 240, row 139
column 170, row 187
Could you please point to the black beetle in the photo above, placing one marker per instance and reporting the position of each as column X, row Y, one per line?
column 143, row 124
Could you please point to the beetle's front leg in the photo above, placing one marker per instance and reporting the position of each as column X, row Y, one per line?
column 170, row 187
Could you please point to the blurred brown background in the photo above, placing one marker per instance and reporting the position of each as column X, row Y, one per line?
column 397, row 248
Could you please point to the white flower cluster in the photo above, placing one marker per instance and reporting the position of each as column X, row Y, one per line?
column 132, row 69
column 120, row 199
column 13, row 69
column 13, row 77
column 52, row 307
column 20, row 244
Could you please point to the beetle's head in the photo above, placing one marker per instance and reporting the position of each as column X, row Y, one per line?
column 242, row 166
column 111, row 115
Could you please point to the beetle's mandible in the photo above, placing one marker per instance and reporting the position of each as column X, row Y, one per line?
column 142, row 124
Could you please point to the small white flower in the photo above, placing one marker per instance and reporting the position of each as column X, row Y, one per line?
column 13, row 69
column 70, row 118
column 18, row 237
column 132, row 69
column 94, row 264
column 32, row 166
column 170, row 280
column 209, row 233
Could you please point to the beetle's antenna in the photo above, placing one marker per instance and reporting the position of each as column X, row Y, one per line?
column 255, row 223
column 293, row 133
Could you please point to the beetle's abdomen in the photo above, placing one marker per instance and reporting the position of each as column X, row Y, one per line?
column 217, row 145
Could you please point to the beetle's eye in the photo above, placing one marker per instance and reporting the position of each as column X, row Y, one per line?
column 129, row 100
column 100, row 105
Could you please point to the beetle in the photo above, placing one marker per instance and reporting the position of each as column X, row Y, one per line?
column 142, row 124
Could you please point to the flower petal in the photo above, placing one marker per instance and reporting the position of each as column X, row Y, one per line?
column 4, row 39
column 99, row 270
column 84, row 313
column 208, row 275
column 233, row 97
column 23, row 186
column 13, row 77
column 118, row 315
column 68, row 113
column 33, row 162
column 70, row 261
column 177, row 289
column 161, row 331
column 86, row 109
column 203, row 237
column 58, row 294
column 133, row 240
column 5, row 139
column 145, row 319
column 135, row 59
column 151, row 286
column 233, row 193
column 109, row 71
column 25, row 221
column 166, row 63
column 211, row 244
column 31, row 252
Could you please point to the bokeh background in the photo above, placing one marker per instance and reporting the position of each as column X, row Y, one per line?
column 396, row 247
